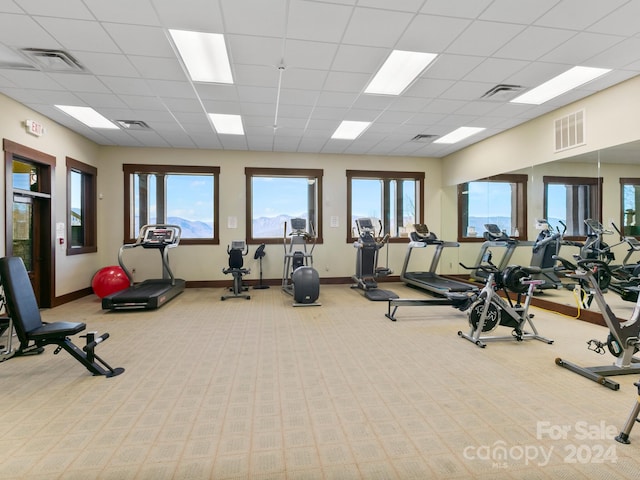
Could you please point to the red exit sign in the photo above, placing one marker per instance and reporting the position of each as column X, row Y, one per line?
column 34, row 128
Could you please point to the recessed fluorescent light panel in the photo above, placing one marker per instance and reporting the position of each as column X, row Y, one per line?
column 459, row 134
column 227, row 124
column 398, row 71
column 564, row 82
column 350, row 130
column 88, row 116
column 204, row 55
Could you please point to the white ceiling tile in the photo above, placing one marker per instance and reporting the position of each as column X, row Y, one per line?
column 78, row 35
column 254, row 50
column 317, row 21
column 171, row 89
column 111, row 64
column 452, row 67
column 401, row 5
column 346, row 82
column 140, row 12
column 429, row 87
column 78, row 82
column 303, row 79
column 158, row 68
column 495, row 70
column 311, row 55
column 256, row 75
column 180, row 15
column 580, row 48
column 101, row 100
column 9, row 6
column 464, row 90
column 459, row 8
column 127, row 85
column 623, row 21
column 22, row 31
column 140, row 40
column 379, row 28
column 578, row 14
column 67, row 9
column 330, row 50
column 352, row 58
column 511, row 11
column 31, row 79
column 431, row 34
column 533, row 43
column 255, row 17
column 137, row 102
column 618, row 56
column 484, row 38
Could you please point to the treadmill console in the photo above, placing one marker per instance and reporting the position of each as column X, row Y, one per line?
column 421, row 233
column 494, row 233
column 156, row 237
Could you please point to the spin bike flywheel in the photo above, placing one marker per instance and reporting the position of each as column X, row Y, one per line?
column 493, row 315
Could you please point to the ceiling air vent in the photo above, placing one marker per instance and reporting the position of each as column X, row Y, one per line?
column 569, row 131
column 502, row 92
column 424, row 138
column 52, row 60
column 133, row 124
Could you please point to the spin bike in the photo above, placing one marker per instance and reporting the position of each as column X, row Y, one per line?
column 492, row 309
column 623, row 340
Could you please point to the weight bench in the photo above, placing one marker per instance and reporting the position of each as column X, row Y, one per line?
column 33, row 334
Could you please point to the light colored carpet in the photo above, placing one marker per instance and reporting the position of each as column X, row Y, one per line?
column 257, row 389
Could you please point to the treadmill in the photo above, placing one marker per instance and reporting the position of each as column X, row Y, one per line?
column 152, row 293
column 429, row 280
column 496, row 238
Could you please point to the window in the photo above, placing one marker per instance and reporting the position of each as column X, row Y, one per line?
column 500, row 200
column 630, row 201
column 275, row 195
column 81, row 207
column 393, row 199
column 186, row 196
column 572, row 200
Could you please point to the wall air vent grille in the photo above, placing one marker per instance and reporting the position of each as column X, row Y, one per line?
column 569, row 131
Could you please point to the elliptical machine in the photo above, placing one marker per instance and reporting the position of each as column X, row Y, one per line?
column 367, row 270
column 299, row 278
column 546, row 246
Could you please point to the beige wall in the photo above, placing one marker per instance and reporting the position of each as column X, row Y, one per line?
column 333, row 258
column 60, row 142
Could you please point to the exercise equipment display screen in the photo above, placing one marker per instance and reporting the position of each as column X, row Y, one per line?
column 158, row 236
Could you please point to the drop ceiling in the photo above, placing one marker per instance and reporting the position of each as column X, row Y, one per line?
column 300, row 67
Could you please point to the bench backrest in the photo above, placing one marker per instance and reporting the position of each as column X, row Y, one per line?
column 21, row 301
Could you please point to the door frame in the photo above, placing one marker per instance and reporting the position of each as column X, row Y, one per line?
column 45, row 196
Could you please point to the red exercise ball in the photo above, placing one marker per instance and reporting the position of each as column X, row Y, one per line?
column 109, row 280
